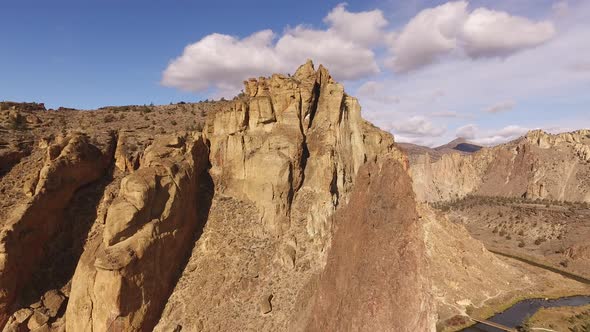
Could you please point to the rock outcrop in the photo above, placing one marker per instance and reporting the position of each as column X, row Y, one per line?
column 299, row 135
column 284, row 159
column 124, row 277
column 537, row 166
column 70, row 163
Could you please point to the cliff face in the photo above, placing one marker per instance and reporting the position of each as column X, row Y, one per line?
column 537, row 166
column 123, row 278
column 70, row 163
column 376, row 276
column 297, row 135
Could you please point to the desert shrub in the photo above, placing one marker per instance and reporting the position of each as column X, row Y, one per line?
column 17, row 123
column 109, row 118
column 456, row 321
column 521, row 244
column 508, row 237
column 539, row 240
column 521, row 232
column 502, row 232
column 495, row 230
column 173, row 122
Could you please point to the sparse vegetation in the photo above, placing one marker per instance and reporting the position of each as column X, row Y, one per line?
column 108, row 118
column 17, row 122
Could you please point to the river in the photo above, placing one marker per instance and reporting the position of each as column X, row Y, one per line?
column 515, row 315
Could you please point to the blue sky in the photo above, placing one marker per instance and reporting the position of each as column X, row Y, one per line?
column 428, row 71
column 89, row 54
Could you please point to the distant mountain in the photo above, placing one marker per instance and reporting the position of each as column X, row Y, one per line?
column 459, row 144
column 538, row 165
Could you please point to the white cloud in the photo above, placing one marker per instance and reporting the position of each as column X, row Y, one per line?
column 223, row 62
column 416, row 126
column 476, row 135
column 492, row 33
column 451, row 28
column 467, row 132
column 366, row 28
column 345, row 58
column 549, row 82
column 429, row 34
column 501, row 107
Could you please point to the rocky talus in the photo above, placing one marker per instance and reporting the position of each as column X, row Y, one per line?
column 536, row 166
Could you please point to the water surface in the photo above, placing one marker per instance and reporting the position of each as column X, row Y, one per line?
column 518, row 313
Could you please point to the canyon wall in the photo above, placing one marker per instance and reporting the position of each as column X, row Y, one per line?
column 536, row 166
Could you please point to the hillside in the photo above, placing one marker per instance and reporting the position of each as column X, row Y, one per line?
column 536, row 166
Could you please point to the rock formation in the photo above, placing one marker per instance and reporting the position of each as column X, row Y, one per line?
column 124, row 278
column 70, row 163
column 283, row 161
column 537, row 166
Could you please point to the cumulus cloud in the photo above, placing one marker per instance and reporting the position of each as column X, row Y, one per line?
column 473, row 133
column 222, row 61
column 416, row 127
column 451, row 28
column 366, row 28
column 467, row 132
column 501, row 107
column 493, row 33
column 429, row 34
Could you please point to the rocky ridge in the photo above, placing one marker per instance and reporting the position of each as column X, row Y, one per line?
column 536, row 166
